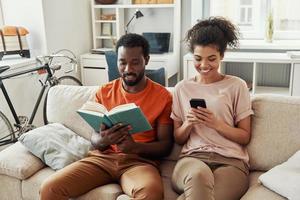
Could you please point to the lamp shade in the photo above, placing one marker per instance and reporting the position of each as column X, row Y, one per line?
column 138, row 14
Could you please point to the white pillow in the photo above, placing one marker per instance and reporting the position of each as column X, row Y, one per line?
column 284, row 178
column 56, row 145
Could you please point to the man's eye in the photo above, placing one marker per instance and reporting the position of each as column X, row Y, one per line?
column 122, row 63
column 212, row 59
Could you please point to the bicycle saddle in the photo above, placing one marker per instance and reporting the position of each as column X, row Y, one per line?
column 4, row 68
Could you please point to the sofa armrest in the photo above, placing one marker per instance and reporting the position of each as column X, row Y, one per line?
column 18, row 162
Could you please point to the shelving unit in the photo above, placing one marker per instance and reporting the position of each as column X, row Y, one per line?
column 107, row 26
column 157, row 18
column 267, row 72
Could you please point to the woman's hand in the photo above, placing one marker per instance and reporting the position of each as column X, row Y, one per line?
column 204, row 116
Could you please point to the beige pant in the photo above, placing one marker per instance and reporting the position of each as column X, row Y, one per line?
column 138, row 177
column 209, row 176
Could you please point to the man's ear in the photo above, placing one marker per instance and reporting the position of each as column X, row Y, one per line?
column 147, row 58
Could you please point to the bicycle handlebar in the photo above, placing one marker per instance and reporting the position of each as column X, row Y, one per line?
column 48, row 59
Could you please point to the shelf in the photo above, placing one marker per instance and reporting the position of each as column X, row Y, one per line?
column 276, row 44
column 105, row 21
column 272, row 90
column 105, row 37
column 136, row 6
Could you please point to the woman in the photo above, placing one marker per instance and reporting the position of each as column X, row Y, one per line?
column 213, row 162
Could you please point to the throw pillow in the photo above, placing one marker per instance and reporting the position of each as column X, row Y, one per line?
column 56, row 145
column 284, row 178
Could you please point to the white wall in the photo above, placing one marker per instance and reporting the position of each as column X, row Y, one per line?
column 28, row 14
column 53, row 25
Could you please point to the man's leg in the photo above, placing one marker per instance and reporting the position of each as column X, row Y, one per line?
column 142, row 182
column 230, row 183
column 194, row 178
column 74, row 180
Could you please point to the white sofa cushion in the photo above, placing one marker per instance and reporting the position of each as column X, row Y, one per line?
column 56, row 145
column 275, row 130
column 284, row 178
column 18, row 162
column 62, row 104
column 257, row 191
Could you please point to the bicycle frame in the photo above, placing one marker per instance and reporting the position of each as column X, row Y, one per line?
column 44, row 86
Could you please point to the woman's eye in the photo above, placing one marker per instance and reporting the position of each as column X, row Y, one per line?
column 211, row 60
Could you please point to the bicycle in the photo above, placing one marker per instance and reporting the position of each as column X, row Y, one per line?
column 9, row 133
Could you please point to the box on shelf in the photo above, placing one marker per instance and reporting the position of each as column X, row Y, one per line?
column 165, row 1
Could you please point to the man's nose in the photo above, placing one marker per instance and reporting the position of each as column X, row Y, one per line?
column 128, row 68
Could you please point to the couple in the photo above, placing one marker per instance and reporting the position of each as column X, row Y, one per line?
column 213, row 162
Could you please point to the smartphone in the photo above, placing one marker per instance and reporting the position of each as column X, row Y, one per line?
column 197, row 102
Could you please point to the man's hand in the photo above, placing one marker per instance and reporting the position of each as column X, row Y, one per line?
column 115, row 134
column 109, row 136
column 128, row 145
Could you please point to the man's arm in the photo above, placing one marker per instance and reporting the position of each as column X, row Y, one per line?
column 107, row 137
column 156, row 149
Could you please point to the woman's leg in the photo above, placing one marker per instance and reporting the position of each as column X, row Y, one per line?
column 230, row 183
column 194, row 178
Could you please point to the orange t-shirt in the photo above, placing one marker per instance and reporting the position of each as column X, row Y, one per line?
column 155, row 102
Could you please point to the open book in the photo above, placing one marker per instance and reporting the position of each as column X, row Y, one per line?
column 95, row 114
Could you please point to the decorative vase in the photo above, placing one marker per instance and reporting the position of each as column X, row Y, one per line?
column 269, row 28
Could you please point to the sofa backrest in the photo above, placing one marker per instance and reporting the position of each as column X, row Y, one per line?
column 275, row 123
column 275, row 130
column 62, row 103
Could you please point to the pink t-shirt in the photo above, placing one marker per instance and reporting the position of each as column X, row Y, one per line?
column 228, row 99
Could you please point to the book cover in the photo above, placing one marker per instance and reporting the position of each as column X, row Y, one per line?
column 95, row 114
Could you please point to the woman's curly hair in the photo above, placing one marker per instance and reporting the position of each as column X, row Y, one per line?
column 213, row 31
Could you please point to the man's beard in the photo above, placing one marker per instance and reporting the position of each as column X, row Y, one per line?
column 138, row 77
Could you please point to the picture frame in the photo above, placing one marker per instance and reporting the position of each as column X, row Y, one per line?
column 106, row 29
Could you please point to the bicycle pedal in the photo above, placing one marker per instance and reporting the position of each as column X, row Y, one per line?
column 23, row 119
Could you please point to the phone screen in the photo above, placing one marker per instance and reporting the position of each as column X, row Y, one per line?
column 197, row 102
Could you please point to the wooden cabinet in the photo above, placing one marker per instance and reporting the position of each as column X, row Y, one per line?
column 264, row 72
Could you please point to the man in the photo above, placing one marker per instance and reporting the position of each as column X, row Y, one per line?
column 120, row 157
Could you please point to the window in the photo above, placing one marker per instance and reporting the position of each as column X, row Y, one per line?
column 251, row 16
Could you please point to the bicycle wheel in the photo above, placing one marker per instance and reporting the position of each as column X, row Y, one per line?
column 6, row 130
column 64, row 80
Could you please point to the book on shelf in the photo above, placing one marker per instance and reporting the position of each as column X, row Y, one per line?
column 95, row 114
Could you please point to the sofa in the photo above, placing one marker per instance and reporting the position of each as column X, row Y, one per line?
column 275, row 137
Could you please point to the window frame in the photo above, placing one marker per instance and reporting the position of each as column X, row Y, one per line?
column 257, row 31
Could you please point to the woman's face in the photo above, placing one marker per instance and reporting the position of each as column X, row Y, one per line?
column 207, row 60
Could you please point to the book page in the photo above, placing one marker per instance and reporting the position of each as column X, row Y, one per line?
column 122, row 107
column 94, row 106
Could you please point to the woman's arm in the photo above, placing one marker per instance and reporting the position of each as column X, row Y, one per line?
column 239, row 134
column 182, row 130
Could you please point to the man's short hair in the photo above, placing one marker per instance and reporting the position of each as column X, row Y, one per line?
column 134, row 40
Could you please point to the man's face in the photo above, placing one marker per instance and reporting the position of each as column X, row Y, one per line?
column 131, row 64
